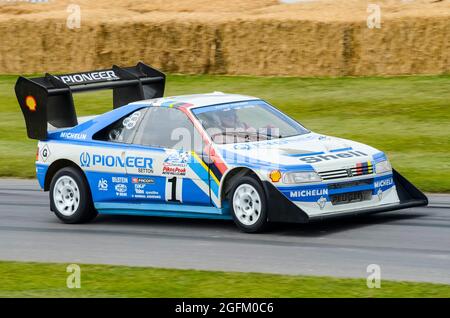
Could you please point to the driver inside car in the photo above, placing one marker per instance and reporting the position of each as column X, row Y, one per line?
column 229, row 119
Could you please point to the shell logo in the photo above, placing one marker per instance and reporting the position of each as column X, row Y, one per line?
column 30, row 101
column 275, row 175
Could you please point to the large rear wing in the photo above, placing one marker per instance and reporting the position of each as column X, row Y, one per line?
column 49, row 99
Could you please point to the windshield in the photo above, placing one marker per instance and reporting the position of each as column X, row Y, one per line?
column 246, row 121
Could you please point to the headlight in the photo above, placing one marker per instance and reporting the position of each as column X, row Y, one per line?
column 383, row 166
column 301, row 177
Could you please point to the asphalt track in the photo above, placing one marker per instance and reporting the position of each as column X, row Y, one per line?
column 411, row 244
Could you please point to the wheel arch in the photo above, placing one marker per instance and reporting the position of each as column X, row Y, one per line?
column 233, row 174
column 55, row 167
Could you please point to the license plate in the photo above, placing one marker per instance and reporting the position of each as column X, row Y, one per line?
column 347, row 197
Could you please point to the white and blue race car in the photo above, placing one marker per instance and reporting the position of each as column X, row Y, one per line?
column 217, row 156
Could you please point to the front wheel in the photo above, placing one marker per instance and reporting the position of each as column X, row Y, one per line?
column 70, row 197
column 248, row 205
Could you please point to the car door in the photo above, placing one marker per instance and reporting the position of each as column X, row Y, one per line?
column 164, row 161
column 105, row 161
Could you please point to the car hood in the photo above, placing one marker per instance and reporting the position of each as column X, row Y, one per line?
column 309, row 150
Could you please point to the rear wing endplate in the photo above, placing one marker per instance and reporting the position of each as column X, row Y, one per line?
column 49, row 99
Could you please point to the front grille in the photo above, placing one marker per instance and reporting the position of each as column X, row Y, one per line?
column 349, row 184
column 359, row 170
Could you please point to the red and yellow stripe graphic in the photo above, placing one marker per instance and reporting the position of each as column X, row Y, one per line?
column 364, row 168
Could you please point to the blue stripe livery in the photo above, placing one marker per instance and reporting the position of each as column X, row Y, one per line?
column 312, row 193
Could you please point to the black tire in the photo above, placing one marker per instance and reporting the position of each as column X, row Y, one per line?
column 261, row 221
column 85, row 211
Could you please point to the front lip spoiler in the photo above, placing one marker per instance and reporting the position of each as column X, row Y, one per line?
column 281, row 209
column 366, row 211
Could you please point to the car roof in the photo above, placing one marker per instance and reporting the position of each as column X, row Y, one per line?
column 195, row 100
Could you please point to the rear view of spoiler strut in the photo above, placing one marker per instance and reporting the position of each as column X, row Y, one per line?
column 49, row 99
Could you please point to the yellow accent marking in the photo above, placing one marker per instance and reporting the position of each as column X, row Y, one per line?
column 214, row 177
column 31, row 103
column 369, row 167
column 194, row 154
column 275, row 175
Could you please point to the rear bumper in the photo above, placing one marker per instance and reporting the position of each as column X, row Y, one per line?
column 281, row 209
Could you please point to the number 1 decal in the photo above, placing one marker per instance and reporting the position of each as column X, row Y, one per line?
column 173, row 189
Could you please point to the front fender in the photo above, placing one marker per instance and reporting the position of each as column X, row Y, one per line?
column 280, row 208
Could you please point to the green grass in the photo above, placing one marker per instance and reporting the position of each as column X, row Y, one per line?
column 49, row 280
column 407, row 117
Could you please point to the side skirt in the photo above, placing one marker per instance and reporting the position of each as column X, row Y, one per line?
column 164, row 210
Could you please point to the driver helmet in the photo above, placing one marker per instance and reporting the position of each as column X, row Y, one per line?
column 229, row 119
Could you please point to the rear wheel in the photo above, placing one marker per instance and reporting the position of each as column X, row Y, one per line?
column 248, row 205
column 70, row 197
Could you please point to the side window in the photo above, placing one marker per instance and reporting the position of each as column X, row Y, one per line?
column 122, row 130
column 168, row 128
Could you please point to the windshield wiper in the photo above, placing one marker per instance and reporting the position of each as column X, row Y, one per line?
column 246, row 134
column 257, row 133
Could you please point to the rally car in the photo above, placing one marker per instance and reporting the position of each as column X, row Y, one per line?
column 216, row 155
